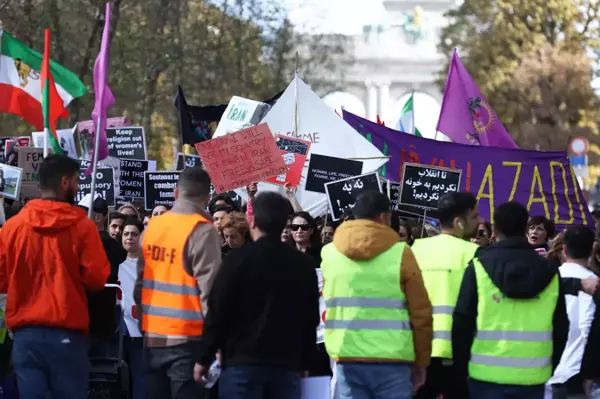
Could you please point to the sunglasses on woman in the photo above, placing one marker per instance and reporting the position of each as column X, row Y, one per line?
column 482, row 233
column 303, row 227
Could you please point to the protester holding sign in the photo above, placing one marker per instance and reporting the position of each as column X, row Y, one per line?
column 51, row 254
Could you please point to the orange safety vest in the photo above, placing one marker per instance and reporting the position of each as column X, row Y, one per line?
column 170, row 296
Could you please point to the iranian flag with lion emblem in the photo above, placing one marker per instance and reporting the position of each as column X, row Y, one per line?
column 20, row 84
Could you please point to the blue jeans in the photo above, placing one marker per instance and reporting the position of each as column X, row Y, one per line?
column 259, row 382
column 487, row 390
column 170, row 373
column 51, row 363
column 374, row 381
column 134, row 356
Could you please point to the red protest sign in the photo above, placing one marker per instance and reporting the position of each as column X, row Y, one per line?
column 238, row 159
column 294, row 152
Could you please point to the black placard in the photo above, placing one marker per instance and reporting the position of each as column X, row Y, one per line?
column 423, row 185
column 132, row 178
column 105, row 184
column 126, row 142
column 159, row 188
column 394, row 192
column 342, row 194
column 190, row 161
column 323, row 169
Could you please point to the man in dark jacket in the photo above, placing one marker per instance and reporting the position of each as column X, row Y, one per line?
column 102, row 305
column 519, row 273
column 264, row 311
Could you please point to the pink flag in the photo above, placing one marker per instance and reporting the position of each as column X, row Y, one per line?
column 466, row 116
column 104, row 97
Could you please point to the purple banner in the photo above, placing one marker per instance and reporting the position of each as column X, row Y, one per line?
column 542, row 181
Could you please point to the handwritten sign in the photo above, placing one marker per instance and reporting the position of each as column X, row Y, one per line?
column 126, row 142
column 159, row 189
column 422, row 185
column 30, row 160
column 238, row 159
column 323, row 169
column 294, row 152
column 105, row 185
column 190, row 161
column 342, row 194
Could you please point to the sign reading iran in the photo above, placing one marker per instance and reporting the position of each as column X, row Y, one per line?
column 541, row 181
column 20, row 83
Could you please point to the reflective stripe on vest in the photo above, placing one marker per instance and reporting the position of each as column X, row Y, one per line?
column 171, row 304
column 443, row 260
column 521, row 355
column 367, row 317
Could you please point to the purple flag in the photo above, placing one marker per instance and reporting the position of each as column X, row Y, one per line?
column 466, row 116
column 104, row 97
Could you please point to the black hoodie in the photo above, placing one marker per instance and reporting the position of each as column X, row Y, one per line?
column 519, row 272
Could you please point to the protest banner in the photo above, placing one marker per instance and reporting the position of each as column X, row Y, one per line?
column 105, row 185
column 159, row 189
column 241, row 113
column 190, row 161
column 342, row 194
column 126, row 142
column 10, row 181
column 294, row 152
column 66, row 140
column 238, row 159
column 323, row 169
column 541, row 181
column 422, row 185
column 131, row 183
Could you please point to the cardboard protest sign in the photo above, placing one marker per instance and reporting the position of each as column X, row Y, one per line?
column 342, row 194
column 126, row 142
column 105, row 185
column 422, row 185
column 323, row 169
column 238, row 159
column 294, row 152
column 159, row 188
column 10, row 181
column 132, row 178
column 30, row 160
column 190, row 161
column 240, row 114
column 542, row 181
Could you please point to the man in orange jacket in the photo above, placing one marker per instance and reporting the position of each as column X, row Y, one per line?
column 50, row 254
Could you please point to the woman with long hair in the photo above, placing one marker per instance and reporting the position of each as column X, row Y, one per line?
column 483, row 234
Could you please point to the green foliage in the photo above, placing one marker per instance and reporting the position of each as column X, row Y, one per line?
column 213, row 49
column 531, row 60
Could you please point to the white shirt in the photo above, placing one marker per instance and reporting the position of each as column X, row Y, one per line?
column 580, row 309
column 127, row 276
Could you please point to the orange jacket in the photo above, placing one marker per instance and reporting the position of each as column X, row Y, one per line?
column 50, row 253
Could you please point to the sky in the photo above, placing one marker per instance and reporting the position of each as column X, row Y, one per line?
column 333, row 16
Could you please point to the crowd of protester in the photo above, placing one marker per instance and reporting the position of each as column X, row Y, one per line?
column 245, row 277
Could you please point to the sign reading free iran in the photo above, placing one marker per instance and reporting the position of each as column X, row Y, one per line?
column 541, row 181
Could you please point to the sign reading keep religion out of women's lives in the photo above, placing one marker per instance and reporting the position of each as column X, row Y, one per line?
column 238, row 159
column 342, row 194
column 159, row 188
column 423, row 185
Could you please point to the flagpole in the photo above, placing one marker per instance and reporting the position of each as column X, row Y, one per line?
column 46, row 133
column 95, row 167
column 296, row 98
column 412, row 96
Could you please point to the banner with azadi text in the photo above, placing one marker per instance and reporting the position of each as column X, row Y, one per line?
column 542, row 181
